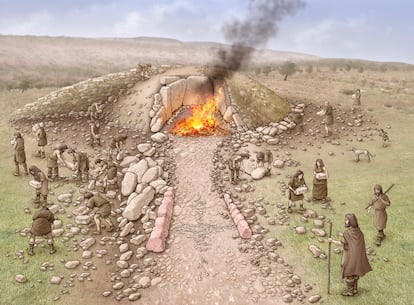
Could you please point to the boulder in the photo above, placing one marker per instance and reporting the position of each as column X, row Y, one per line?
column 258, row 173
column 143, row 147
column 168, row 79
column 151, row 174
column 139, row 169
column 165, row 93
column 134, row 208
column 198, row 90
column 128, row 160
column 177, row 91
column 159, row 137
column 129, row 183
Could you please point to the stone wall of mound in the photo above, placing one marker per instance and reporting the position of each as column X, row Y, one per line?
column 73, row 101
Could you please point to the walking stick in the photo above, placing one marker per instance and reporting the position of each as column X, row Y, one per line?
column 329, row 258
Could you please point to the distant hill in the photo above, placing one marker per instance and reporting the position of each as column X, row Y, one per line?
column 40, row 61
column 70, row 59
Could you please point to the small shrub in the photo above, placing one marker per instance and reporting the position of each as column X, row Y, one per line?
column 347, row 91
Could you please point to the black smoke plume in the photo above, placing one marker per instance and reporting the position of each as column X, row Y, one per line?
column 260, row 24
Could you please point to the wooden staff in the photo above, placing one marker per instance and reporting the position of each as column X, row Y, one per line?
column 329, row 258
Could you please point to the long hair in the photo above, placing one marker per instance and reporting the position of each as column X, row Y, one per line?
column 298, row 172
column 319, row 161
column 378, row 187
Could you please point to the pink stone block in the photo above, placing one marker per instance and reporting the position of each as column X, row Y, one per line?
column 164, row 224
column 238, row 218
column 156, row 245
column 166, row 208
column 244, row 230
column 227, row 199
column 156, row 242
column 234, row 213
column 232, row 207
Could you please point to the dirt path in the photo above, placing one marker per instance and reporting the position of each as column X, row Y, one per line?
column 202, row 259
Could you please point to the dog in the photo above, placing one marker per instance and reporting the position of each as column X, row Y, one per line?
column 359, row 152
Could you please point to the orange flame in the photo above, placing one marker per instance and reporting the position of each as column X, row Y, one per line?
column 201, row 122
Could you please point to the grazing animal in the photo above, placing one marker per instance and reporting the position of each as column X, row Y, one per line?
column 358, row 152
column 264, row 157
column 384, row 136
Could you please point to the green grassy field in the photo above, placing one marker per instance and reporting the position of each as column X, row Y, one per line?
column 352, row 183
column 15, row 195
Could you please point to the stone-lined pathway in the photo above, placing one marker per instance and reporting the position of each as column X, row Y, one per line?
column 202, row 263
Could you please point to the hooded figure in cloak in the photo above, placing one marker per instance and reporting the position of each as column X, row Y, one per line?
column 354, row 261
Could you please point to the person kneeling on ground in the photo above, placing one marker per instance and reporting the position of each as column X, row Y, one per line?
column 102, row 212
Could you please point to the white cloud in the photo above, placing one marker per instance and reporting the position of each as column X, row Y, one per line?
column 36, row 22
column 129, row 26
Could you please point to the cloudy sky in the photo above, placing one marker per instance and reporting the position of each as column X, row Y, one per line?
column 380, row 30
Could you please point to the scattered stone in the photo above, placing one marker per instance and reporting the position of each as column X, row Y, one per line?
column 118, row 286
column 318, row 232
column 287, row 298
column 72, row 264
column 55, row 280
column 126, row 256
column 20, row 278
column 134, row 296
column 145, row 281
column 317, row 252
column 87, row 254
column 314, row 298
column 107, row 293
column 87, row 243
column 300, row 230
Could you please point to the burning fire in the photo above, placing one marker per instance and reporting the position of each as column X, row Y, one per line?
column 201, row 122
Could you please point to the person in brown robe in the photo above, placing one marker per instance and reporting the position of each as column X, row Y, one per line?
column 235, row 165
column 107, row 172
column 115, row 146
column 380, row 202
column 354, row 260
column 80, row 163
column 357, row 99
column 102, row 209
column 95, row 133
column 19, row 153
column 43, row 191
column 52, row 161
column 320, row 183
column 41, row 140
column 42, row 226
column 295, row 182
column 328, row 118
